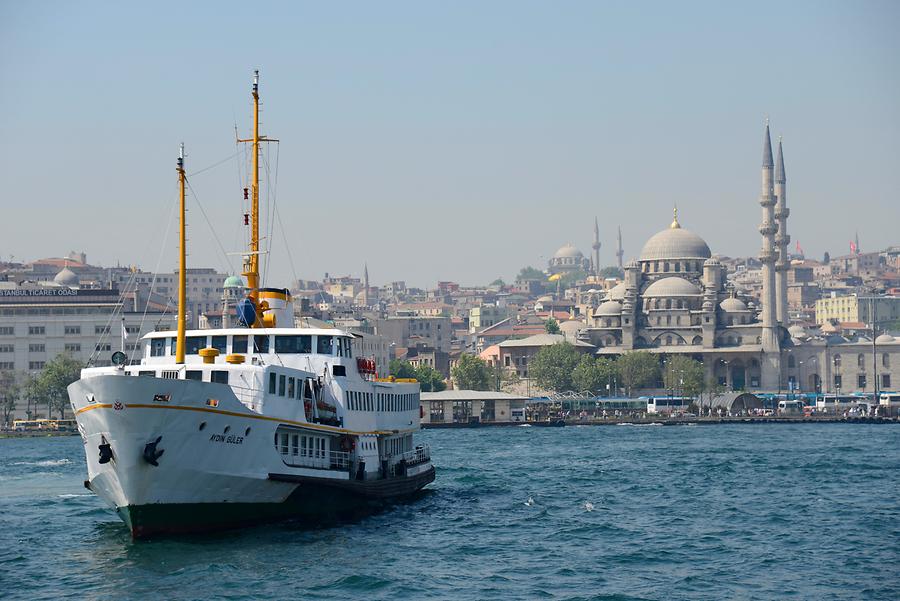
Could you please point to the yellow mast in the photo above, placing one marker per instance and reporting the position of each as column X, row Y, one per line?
column 251, row 262
column 182, row 276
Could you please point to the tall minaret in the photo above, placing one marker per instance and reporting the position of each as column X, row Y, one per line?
column 619, row 252
column 771, row 365
column 366, row 285
column 782, row 263
column 596, row 247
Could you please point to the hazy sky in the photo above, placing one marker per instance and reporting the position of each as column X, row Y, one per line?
column 454, row 140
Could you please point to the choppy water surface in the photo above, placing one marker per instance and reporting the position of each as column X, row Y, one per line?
column 621, row 512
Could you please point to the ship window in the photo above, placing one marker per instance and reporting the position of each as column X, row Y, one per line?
column 218, row 343
column 219, row 376
column 323, row 345
column 295, row 444
column 193, row 375
column 293, row 344
column 260, row 344
column 282, row 379
column 193, row 344
column 338, row 370
column 157, row 347
column 272, row 383
column 290, row 387
column 239, row 344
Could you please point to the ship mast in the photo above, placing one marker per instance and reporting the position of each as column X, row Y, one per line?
column 251, row 259
column 182, row 276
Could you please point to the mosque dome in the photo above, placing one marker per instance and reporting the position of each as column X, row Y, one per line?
column 568, row 251
column 234, row 281
column 66, row 277
column 671, row 286
column 675, row 242
column 885, row 339
column 617, row 292
column 732, row 305
column 610, row 307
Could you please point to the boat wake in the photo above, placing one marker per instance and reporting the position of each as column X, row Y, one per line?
column 45, row 463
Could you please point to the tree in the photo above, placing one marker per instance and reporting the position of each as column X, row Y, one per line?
column 9, row 394
column 530, row 273
column 570, row 278
column 472, row 373
column 552, row 366
column 638, row 369
column 32, row 390
column 402, row 369
column 58, row 373
column 593, row 374
column 552, row 326
column 498, row 282
column 611, row 272
column 430, row 379
column 683, row 375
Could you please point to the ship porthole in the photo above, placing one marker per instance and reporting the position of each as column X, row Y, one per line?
column 247, row 432
column 227, row 429
column 202, row 425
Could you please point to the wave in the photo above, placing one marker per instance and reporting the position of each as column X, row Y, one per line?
column 45, row 463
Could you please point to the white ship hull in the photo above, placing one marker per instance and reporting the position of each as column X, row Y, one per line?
column 219, row 466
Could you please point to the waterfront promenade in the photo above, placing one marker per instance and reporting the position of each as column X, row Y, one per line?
column 675, row 421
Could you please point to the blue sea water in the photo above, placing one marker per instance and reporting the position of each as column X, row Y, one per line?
column 805, row 511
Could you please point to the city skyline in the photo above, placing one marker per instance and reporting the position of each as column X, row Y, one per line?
column 461, row 148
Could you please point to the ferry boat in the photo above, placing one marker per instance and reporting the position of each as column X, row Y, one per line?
column 222, row 428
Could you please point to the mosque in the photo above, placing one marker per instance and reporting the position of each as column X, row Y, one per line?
column 675, row 298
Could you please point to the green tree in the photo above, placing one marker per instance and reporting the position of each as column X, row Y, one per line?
column 611, row 272
column 530, row 273
column 551, row 326
column 570, row 278
column 552, row 366
column 58, row 373
column 498, row 282
column 683, row 375
column 32, row 391
column 472, row 373
column 594, row 374
column 9, row 394
column 637, row 369
column 430, row 379
column 402, row 369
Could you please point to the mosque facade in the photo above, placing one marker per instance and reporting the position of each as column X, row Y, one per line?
column 675, row 298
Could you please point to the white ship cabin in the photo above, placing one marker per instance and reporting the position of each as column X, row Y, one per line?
column 303, row 375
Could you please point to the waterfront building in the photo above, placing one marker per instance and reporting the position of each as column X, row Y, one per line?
column 40, row 321
column 516, row 355
column 406, row 331
column 466, row 406
column 856, row 308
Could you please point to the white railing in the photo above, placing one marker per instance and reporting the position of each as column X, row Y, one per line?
column 327, row 460
column 420, row 454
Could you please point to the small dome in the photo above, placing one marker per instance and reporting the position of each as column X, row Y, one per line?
column 617, row 292
column 732, row 305
column 568, row 251
column 885, row 339
column 672, row 286
column 711, row 262
column 572, row 326
column 610, row 307
column 632, row 264
column 545, row 299
column 66, row 277
column 675, row 243
column 234, row 281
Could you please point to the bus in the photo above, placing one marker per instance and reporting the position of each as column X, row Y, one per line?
column 835, row 403
column 791, row 407
column 889, row 403
column 668, row 404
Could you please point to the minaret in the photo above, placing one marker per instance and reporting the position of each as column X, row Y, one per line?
column 856, row 243
column 366, row 285
column 619, row 252
column 771, row 364
column 596, row 247
column 782, row 263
